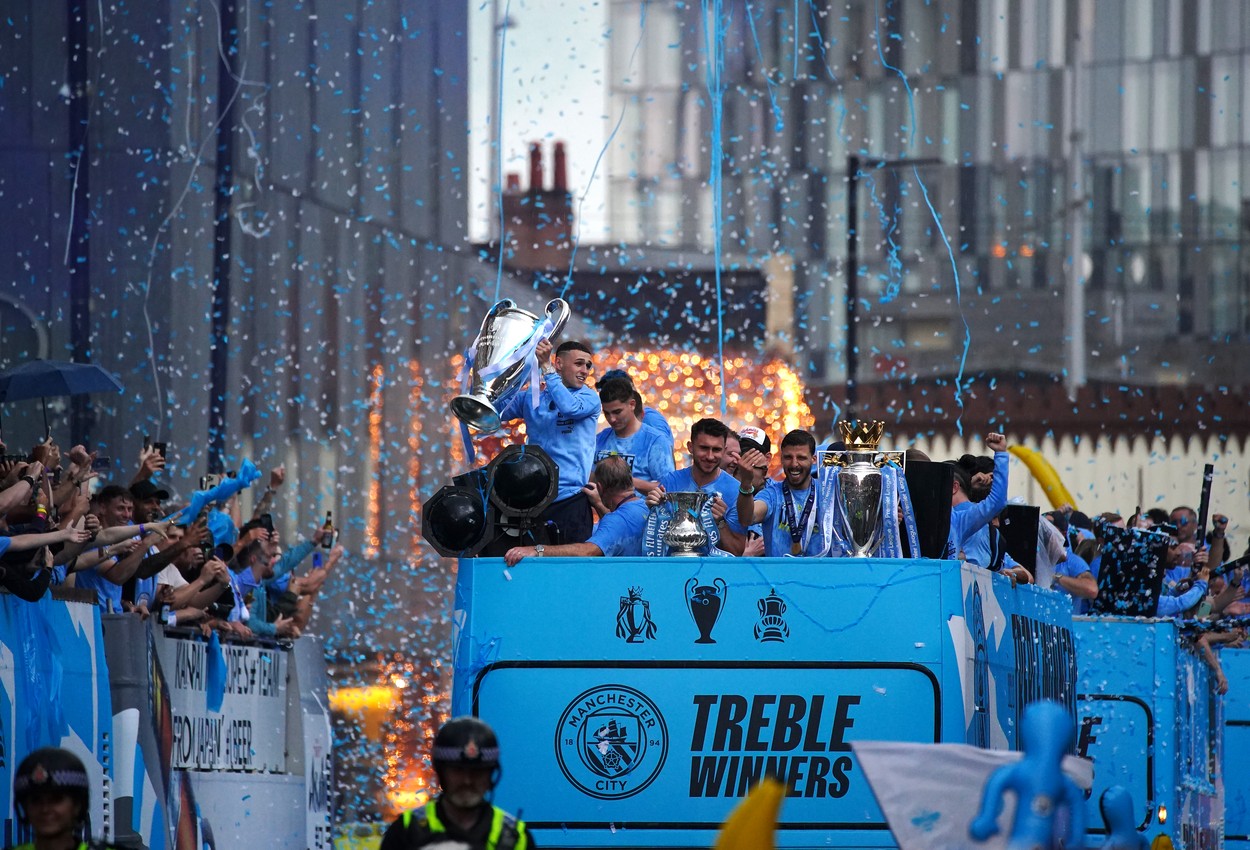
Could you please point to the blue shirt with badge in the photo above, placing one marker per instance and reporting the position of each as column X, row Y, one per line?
column 645, row 451
column 778, row 540
column 619, row 534
column 563, row 425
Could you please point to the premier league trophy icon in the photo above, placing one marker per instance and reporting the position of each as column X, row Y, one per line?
column 633, row 621
column 859, row 484
column 705, row 603
column 772, row 626
column 685, row 535
column 498, row 362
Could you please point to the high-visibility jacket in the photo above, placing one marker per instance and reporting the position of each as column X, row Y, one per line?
column 423, row 826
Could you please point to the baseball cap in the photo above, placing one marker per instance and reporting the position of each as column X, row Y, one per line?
column 145, row 489
column 751, row 437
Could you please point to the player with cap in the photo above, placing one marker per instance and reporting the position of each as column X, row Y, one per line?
column 466, row 761
column 751, row 437
column 52, row 794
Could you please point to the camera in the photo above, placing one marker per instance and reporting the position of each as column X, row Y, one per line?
column 100, row 464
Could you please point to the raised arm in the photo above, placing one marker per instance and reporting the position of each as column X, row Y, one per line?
column 980, row 513
column 752, row 469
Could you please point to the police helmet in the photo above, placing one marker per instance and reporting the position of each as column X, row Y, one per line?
column 51, row 769
column 466, row 742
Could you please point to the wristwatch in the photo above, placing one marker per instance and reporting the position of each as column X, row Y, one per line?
column 538, row 550
column 29, row 479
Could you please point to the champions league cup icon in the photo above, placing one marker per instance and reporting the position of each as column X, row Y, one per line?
column 705, row 603
column 859, row 483
column 772, row 626
column 500, row 353
column 633, row 621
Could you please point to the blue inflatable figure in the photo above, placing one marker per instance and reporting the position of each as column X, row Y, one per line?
column 1038, row 783
column 1116, row 805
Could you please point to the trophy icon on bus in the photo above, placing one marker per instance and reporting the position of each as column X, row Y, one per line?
column 772, row 627
column 705, row 603
column 633, row 620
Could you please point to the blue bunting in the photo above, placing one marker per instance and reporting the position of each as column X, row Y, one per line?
column 248, row 474
column 215, row 675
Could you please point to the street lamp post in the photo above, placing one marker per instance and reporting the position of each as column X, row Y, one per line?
column 853, row 165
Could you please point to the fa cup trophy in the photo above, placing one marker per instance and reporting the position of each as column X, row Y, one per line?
column 506, row 341
column 685, row 535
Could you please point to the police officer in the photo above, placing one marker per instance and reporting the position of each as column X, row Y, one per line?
column 52, row 793
column 466, row 760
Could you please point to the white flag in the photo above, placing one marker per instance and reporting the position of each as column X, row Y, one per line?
column 930, row 793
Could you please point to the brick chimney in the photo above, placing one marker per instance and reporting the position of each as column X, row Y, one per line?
column 538, row 222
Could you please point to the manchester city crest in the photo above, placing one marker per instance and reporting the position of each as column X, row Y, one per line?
column 611, row 742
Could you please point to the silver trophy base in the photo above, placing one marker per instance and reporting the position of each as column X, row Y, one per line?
column 475, row 412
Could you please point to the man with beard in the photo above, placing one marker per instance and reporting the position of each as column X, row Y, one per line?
column 706, row 446
column 466, row 761
column 790, row 510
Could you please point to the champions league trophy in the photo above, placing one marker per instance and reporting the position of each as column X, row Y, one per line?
column 685, row 534
column 859, row 484
column 497, row 364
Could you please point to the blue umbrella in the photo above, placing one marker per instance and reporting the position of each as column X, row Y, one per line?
column 43, row 378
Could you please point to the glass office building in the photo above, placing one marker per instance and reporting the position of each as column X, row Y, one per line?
column 1108, row 137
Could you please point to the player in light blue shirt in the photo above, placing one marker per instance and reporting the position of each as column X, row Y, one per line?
column 706, row 445
column 563, row 425
column 970, row 521
column 789, row 510
column 651, row 418
column 644, row 449
column 618, row 534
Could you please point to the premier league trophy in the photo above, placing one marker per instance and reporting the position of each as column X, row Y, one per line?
column 497, row 367
column 859, row 487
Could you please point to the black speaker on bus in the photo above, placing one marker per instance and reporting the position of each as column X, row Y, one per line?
column 929, row 485
column 1018, row 526
column 485, row 512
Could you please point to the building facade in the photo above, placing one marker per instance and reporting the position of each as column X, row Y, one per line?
column 1101, row 141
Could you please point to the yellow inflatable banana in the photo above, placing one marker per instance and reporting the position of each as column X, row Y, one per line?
column 753, row 822
column 1044, row 474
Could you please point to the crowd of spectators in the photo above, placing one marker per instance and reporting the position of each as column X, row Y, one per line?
column 138, row 551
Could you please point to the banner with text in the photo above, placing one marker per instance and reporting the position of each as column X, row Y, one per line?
column 249, row 732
